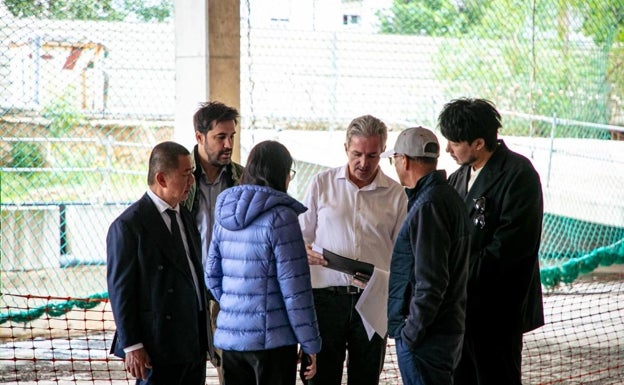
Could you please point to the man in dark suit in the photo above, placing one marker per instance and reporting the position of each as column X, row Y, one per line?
column 503, row 196
column 154, row 277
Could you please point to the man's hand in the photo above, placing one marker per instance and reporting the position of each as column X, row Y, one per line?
column 315, row 258
column 137, row 363
column 360, row 280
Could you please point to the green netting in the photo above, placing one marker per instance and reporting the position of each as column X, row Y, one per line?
column 571, row 248
column 55, row 309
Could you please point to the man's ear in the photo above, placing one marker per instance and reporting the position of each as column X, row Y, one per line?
column 161, row 179
column 479, row 144
column 407, row 165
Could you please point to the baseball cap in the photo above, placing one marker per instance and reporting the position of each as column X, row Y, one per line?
column 415, row 142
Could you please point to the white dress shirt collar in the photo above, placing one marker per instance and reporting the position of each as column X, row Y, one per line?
column 161, row 205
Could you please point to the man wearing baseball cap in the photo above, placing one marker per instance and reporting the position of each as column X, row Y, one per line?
column 429, row 267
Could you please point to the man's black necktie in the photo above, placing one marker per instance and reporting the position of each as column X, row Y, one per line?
column 177, row 235
column 179, row 246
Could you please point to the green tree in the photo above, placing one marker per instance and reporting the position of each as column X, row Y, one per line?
column 552, row 57
column 429, row 17
column 110, row 10
column 603, row 21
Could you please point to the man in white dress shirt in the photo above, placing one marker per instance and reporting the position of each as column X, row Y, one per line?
column 355, row 211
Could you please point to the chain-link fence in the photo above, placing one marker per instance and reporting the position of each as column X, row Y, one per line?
column 86, row 92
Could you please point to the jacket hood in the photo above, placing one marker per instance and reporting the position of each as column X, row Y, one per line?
column 239, row 206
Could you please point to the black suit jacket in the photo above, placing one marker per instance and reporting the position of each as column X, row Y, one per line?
column 504, row 287
column 151, row 289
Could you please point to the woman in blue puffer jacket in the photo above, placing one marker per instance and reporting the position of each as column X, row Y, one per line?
column 258, row 271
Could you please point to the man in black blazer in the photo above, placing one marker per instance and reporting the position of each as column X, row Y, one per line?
column 154, row 277
column 503, row 196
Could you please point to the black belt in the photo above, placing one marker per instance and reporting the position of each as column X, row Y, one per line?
column 342, row 289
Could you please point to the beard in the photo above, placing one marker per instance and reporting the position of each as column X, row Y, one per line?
column 217, row 160
column 470, row 161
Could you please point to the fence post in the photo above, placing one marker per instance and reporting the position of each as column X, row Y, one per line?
column 37, row 58
column 63, row 228
column 553, row 128
column 108, row 145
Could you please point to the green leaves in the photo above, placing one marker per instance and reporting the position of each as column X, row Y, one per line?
column 429, row 18
column 108, row 10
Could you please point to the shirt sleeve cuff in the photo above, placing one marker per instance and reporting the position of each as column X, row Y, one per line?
column 132, row 348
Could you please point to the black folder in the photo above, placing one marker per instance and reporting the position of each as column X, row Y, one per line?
column 360, row 270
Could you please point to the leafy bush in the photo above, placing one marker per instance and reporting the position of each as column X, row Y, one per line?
column 26, row 155
column 63, row 116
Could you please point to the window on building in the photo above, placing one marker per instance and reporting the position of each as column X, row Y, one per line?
column 350, row 19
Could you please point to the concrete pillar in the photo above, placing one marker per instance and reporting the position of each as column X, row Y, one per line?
column 207, row 38
column 224, row 53
column 191, row 51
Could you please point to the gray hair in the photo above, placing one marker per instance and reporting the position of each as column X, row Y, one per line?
column 367, row 126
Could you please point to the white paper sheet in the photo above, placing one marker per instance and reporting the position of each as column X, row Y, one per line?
column 373, row 304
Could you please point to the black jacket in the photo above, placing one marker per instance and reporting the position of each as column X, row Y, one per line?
column 504, row 288
column 151, row 289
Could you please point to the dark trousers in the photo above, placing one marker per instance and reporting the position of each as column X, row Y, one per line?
column 430, row 363
column 180, row 374
column 262, row 367
column 490, row 357
column 342, row 330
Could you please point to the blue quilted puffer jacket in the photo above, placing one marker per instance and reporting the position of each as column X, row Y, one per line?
column 258, row 271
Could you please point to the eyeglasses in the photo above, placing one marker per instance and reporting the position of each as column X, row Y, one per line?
column 292, row 174
column 479, row 205
column 392, row 157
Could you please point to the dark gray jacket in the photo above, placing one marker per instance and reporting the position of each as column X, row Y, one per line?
column 429, row 268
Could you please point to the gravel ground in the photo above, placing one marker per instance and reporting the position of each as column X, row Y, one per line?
column 582, row 343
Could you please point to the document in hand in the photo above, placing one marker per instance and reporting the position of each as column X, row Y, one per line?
column 360, row 270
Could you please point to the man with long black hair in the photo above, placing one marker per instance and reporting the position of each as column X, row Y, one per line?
column 503, row 196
